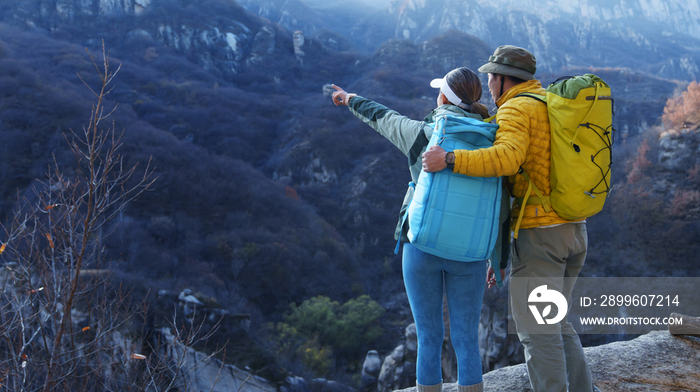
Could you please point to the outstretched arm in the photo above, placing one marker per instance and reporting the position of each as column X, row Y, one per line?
column 402, row 131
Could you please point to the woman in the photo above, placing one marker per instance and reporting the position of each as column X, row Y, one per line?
column 426, row 275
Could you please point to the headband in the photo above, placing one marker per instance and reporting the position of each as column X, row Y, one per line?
column 446, row 90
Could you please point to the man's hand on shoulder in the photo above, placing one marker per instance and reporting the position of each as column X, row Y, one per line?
column 436, row 159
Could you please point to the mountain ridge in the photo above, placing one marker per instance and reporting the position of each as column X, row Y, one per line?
column 660, row 37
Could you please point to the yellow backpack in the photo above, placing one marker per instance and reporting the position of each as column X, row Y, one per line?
column 580, row 119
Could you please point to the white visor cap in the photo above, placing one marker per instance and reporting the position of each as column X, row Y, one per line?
column 441, row 83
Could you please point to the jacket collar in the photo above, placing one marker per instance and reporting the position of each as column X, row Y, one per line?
column 449, row 109
column 531, row 86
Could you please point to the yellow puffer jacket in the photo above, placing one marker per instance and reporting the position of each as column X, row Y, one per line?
column 522, row 140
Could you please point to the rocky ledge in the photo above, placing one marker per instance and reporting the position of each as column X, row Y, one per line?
column 657, row 361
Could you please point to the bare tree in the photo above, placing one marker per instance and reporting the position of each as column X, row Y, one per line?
column 59, row 315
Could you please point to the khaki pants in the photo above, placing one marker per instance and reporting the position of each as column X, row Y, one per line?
column 555, row 359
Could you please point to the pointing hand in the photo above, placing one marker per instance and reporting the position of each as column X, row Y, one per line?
column 341, row 97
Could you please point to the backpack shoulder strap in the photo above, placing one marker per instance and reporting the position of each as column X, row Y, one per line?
column 523, row 201
column 541, row 98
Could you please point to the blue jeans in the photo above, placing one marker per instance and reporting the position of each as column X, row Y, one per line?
column 425, row 276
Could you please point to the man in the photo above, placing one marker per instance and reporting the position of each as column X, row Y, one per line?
column 547, row 248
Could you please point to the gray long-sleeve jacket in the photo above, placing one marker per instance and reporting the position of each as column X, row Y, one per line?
column 412, row 137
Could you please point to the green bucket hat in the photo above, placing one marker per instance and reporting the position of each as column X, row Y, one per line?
column 511, row 60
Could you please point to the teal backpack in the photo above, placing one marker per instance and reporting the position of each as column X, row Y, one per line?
column 454, row 216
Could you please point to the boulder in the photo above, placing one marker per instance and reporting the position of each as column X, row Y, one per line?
column 656, row 361
column 399, row 368
column 370, row 371
column 392, row 368
column 323, row 385
column 294, row 384
column 411, row 340
column 497, row 348
column 678, row 150
column 187, row 297
column 200, row 372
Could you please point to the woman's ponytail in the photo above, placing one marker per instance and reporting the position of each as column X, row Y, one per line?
column 467, row 86
column 480, row 109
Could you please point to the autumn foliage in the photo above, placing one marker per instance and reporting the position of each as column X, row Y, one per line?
column 639, row 163
column 683, row 110
column 684, row 202
column 657, row 205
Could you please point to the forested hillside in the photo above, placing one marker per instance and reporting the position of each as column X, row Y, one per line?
column 267, row 195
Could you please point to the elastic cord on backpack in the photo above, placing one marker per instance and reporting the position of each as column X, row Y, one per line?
column 583, row 122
